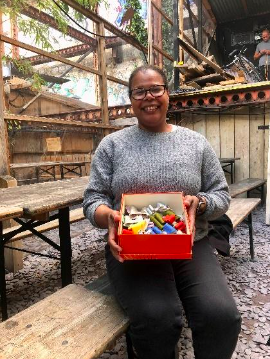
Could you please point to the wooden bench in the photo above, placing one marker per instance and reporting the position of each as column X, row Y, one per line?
column 74, row 323
column 241, row 211
column 247, row 185
column 82, row 322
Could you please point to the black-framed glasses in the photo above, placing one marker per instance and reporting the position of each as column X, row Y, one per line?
column 140, row 93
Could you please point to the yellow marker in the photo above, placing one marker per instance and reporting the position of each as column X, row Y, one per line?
column 140, row 226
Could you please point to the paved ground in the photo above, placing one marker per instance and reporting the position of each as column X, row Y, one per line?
column 249, row 282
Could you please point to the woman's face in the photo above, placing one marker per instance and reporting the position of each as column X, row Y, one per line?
column 150, row 111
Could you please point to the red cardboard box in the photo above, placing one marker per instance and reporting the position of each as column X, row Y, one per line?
column 155, row 246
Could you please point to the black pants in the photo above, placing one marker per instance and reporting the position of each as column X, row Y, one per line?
column 150, row 292
column 263, row 73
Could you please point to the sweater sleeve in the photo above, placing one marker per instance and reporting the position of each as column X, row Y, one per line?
column 214, row 186
column 98, row 191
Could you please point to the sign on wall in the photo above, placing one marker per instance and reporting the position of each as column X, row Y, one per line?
column 54, row 144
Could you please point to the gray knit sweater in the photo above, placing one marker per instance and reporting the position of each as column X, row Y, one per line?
column 136, row 161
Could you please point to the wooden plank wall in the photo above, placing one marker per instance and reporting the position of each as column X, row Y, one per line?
column 232, row 133
column 28, row 147
column 235, row 133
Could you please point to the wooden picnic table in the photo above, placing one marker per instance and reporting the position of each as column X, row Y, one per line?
column 32, row 205
column 49, row 167
column 228, row 165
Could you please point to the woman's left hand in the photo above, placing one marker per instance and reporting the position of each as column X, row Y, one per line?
column 191, row 203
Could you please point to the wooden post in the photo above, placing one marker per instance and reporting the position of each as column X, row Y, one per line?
column 150, row 33
column 156, row 20
column 103, row 77
column 14, row 35
column 4, row 167
column 181, row 27
column 200, row 18
column 13, row 258
column 267, row 221
column 175, row 43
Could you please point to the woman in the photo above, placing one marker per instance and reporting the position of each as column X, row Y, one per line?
column 154, row 156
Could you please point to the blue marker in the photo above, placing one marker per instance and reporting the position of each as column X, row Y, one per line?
column 169, row 229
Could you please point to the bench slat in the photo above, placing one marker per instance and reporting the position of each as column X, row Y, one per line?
column 240, row 208
column 245, row 185
column 52, row 328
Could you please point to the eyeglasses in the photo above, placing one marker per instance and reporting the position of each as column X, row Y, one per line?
column 140, row 93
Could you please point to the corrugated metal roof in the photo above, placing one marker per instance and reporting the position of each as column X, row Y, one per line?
column 230, row 10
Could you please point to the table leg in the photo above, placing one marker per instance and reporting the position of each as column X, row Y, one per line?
column 250, row 229
column 37, row 174
column 232, row 174
column 53, row 169
column 65, row 246
column 3, row 292
column 62, row 171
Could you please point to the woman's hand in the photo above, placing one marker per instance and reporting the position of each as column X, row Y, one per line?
column 113, row 222
column 191, row 203
column 106, row 217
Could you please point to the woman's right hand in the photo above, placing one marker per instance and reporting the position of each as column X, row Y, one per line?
column 106, row 217
column 113, row 222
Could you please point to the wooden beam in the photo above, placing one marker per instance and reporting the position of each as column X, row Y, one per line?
column 181, row 27
column 195, row 17
column 164, row 53
column 66, row 52
column 191, row 17
column 4, row 165
column 113, row 29
column 34, row 13
column 74, row 51
column 198, row 56
column 103, row 78
column 268, row 184
column 150, row 34
column 49, row 121
column 156, row 20
column 169, row 20
column 176, row 79
column 44, row 18
column 208, row 8
column 186, row 38
column 51, row 85
column 200, row 25
column 14, row 35
column 13, row 258
column 58, row 58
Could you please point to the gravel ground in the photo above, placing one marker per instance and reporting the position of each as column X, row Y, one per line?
column 249, row 282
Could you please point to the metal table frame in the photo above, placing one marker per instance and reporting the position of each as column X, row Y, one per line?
column 64, row 249
column 49, row 168
column 228, row 166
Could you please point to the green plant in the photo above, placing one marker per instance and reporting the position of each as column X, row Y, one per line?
column 13, row 126
column 25, row 67
column 38, row 31
column 137, row 26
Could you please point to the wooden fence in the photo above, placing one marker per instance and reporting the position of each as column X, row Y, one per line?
column 235, row 133
column 27, row 147
column 232, row 133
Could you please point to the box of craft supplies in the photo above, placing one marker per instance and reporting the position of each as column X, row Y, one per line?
column 154, row 226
